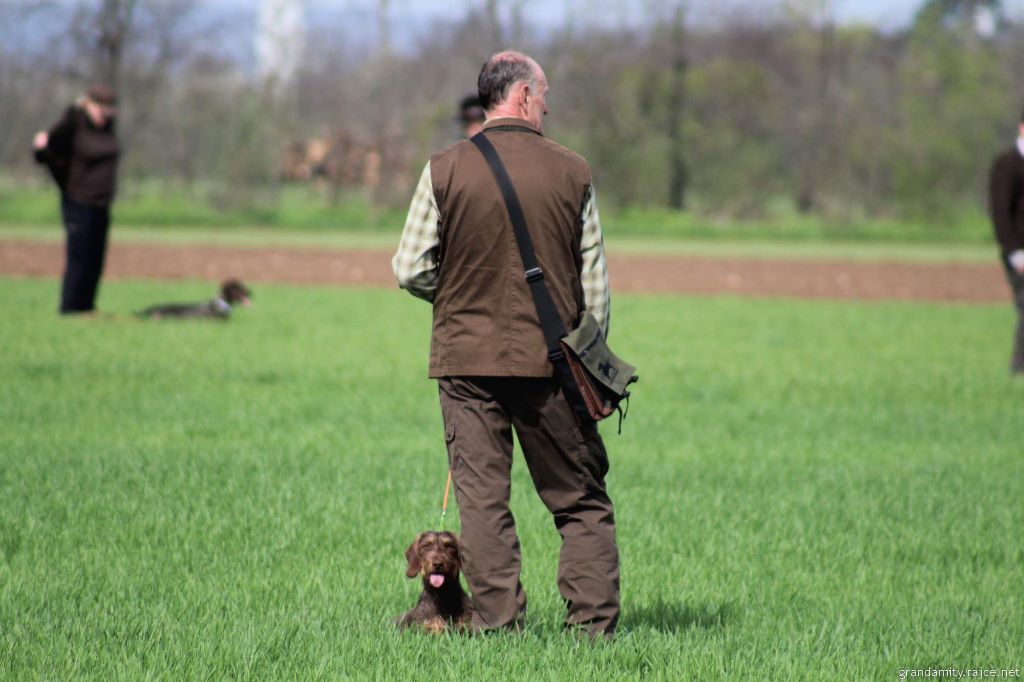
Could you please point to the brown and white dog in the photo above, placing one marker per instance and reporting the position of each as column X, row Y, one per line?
column 443, row 604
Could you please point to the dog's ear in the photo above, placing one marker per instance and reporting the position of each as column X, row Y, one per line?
column 412, row 555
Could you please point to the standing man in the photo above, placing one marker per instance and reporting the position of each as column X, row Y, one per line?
column 81, row 151
column 488, row 355
column 1006, row 204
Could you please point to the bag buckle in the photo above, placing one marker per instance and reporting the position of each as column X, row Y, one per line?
column 533, row 274
column 556, row 356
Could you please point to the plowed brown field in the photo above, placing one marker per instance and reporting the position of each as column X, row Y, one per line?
column 682, row 274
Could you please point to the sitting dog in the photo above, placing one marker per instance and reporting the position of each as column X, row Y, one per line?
column 443, row 603
column 232, row 291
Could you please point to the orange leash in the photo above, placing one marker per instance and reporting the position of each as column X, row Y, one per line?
column 444, row 505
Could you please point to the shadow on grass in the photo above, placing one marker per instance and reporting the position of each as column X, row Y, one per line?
column 673, row 616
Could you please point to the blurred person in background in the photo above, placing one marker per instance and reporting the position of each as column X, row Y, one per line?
column 81, row 151
column 471, row 115
column 1006, row 206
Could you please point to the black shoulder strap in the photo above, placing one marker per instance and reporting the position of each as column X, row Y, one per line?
column 550, row 322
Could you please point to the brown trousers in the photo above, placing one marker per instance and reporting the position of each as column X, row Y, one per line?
column 568, row 464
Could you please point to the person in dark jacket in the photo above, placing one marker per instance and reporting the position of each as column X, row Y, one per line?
column 1006, row 206
column 81, row 151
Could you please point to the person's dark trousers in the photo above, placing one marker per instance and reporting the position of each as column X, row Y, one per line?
column 1017, row 286
column 568, row 464
column 86, row 229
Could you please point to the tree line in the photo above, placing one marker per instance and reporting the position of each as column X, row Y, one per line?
column 733, row 117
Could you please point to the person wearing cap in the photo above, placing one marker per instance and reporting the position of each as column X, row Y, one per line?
column 1006, row 207
column 471, row 115
column 81, row 152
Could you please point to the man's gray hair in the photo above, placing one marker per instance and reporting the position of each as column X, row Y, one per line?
column 501, row 72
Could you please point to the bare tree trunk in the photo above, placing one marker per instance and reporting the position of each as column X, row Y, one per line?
column 819, row 141
column 518, row 29
column 384, row 27
column 115, row 23
column 494, row 23
column 678, row 172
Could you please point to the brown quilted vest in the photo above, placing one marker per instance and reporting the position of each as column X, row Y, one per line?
column 485, row 323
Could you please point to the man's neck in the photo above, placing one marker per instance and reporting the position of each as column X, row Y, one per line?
column 506, row 111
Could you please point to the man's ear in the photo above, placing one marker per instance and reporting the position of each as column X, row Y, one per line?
column 520, row 93
column 413, row 557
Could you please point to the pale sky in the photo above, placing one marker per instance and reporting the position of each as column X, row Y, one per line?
column 885, row 13
column 412, row 20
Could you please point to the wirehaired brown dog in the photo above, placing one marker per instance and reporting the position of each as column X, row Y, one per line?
column 232, row 292
column 443, row 603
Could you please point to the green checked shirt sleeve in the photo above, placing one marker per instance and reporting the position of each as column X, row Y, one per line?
column 594, row 269
column 415, row 264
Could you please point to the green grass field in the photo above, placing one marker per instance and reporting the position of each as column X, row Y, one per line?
column 805, row 490
column 170, row 206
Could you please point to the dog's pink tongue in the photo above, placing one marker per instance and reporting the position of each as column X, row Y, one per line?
column 436, row 579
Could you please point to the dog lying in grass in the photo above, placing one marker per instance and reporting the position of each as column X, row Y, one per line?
column 443, row 604
column 232, row 292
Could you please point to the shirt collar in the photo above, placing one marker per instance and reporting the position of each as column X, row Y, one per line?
column 510, row 121
column 1020, row 146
